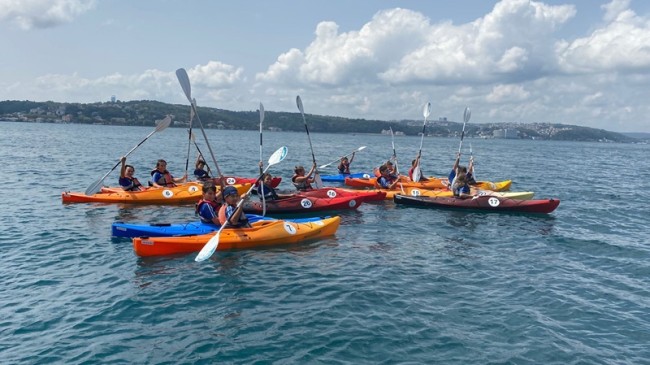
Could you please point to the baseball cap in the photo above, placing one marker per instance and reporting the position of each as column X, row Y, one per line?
column 230, row 190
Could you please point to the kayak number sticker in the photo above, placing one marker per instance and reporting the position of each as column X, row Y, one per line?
column 415, row 192
column 482, row 193
column 494, row 202
column 193, row 189
column 319, row 223
column 331, row 193
column 353, row 203
column 230, row 180
column 289, row 228
column 306, row 203
column 366, row 176
column 167, row 193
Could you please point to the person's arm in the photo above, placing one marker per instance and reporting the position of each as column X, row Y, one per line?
column 154, row 179
column 180, row 179
column 123, row 169
column 238, row 212
column 351, row 158
column 311, row 171
column 456, row 162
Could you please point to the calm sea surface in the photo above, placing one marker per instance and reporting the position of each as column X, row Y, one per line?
column 395, row 285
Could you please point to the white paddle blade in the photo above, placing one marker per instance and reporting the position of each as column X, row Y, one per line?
column 427, row 110
column 361, row 148
column 95, row 187
column 467, row 114
column 417, row 174
column 278, row 156
column 318, row 181
column 184, row 80
column 162, row 124
column 209, row 247
column 299, row 103
column 261, row 114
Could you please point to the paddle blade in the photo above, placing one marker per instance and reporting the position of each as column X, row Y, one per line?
column 278, row 156
column 427, row 110
column 299, row 103
column 261, row 115
column 417, row 173
column 209, row 247
column 94, row 187
column 162, row 124
column 318, row 181
column 184, row 80
column 467, row 114
column 361, row 148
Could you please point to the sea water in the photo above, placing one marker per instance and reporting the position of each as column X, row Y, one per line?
column 394, row 285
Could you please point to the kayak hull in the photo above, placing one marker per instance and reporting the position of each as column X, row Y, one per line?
column 236, row 180
column 182, row 194
column 332, row 192
column 482, row 203
column 130, row 230
column 341, row 177
column 302, row 204
column 262, row 234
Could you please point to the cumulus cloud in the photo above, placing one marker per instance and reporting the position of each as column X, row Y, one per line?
column 28, row 14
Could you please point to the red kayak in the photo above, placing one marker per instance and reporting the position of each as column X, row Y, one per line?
column 302, row 204
column 483, row 203
column 332, row 192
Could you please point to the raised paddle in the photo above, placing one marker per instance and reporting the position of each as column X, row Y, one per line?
column 392, row 141
column 97, row 185
column 213, row 243
column 417, row 173
column 471, row 161
column 261, row 166
column 189, row 140
column 317, row 180
column 355, row 151
column 184, row 80
column 193, row 139
column 466, row 115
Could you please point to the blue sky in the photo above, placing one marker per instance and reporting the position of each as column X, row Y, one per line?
column 583, row 62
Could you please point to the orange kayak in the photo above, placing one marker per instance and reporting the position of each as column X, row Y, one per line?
column 432, row 183
column 182, row 194
column 262, row 234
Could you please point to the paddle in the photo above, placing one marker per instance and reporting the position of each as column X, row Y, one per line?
column 471, row 162
column 317, row 180
column 355, row 151
column 417, row 173
column 189, row 141
column 213, row 243
column 261, row 167
column 184, row 80
column 392, row 141
column 466, row 115
column 97, row 184
column 193, row 138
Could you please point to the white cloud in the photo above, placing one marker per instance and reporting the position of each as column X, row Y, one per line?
column 28, row 14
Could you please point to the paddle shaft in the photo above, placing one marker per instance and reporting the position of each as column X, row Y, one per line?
column 317, row 180
column 392, row 140
column 339, row 159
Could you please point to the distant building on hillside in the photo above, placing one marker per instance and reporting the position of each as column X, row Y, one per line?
column 113, row 98
column 507, row 133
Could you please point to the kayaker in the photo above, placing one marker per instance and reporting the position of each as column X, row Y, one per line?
column 199, row 172
column 413, row 164
column 229, row 214
column 460, row 188
column 344, row 166
column 265, row 189
column 127, row 181
column 208, row 207
column 301, row 181
column 386, row 180
column 457, row 169
column 162, row 178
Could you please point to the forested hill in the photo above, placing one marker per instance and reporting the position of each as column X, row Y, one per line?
column 145, row 112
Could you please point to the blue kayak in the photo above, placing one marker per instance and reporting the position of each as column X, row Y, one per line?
column 341, row 177
column 121, row 229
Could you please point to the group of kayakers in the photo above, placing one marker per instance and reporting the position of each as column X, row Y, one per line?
column 223, row 209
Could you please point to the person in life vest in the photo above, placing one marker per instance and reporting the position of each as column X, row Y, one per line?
column 459, row 187
column 199, row 171
column 413, row 164
column 208, row 207
column 127, row 181
column 386, row 180
column 265, row 189
column 231, row 216
column 162, row 178
column 457, row 169
column 344, row 165
column 301, row 181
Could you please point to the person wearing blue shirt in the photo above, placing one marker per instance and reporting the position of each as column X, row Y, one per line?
column 230, row 215
column 127, row 181
column 265, row 189
column 386, row 180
